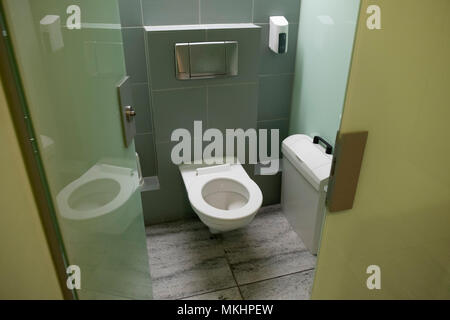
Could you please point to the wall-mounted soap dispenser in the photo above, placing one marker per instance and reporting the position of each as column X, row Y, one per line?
column 278, row 34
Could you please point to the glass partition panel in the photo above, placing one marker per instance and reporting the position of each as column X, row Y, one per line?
column 70, row 60
column 324, row 50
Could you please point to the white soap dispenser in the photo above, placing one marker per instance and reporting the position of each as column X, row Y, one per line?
column 278, row 34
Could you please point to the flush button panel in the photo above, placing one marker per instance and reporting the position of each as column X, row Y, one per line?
column 202, row 60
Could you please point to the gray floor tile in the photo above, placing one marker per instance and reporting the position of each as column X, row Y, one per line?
column 93, row 295
column 226, row 294
column 269, row 209
column 267, row 248
column 273, row 266
column 185, row 260
column 291, row 287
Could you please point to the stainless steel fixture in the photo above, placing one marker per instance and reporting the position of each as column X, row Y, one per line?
column 130, row 113
column 127, row 112
column 202, row 60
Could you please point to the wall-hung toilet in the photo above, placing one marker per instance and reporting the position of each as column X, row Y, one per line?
column 223, row 196
column 306, row 169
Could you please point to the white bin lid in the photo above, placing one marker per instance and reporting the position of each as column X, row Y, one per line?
column 308, row 158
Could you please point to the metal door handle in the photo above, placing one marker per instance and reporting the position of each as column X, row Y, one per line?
column 130, row 113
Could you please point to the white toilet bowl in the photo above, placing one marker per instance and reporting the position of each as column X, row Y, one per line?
column 223, row 196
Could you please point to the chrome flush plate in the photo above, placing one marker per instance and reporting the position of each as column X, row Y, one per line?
column 204, row 60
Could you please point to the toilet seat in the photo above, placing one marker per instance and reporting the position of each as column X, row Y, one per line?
column 224, row 194
column 199, row 203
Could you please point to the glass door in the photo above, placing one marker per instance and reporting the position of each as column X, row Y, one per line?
column 70, row 60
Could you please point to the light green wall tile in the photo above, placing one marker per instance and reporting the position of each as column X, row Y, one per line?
column 135, row 58
column 130, row 13
column 169, row 12
column 145, row 147
column 232, row 106
column 275, row 93
column 179, row 108
column 170, row 202
column 283, row 127
column 266, row 8
column 142, row 106
column 270, row 187
column 164, row 205
column 229, row 11
column 168, row 173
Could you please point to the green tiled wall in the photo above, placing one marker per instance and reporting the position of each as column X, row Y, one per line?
column 259, row 97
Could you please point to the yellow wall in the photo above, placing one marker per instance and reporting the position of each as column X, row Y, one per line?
column 26, row 268
column 399, row 90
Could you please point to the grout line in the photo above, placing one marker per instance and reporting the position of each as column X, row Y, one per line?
column 206, row 29
column 263, row 75
column 142, row 13
column 267, row 23
column 134, row 27
column 140, row 83
column 163, row 142
column 176, row 89
column 150, row 93
column 246, row 83
column 199, row 12
column 207, row 292
column 231, row 269
column 253, row 11
column 207, row 107
column 144, row 133
column 221, row 84
column 269, row 120
column 277, row 277
column 208, row 86
column 232, row 273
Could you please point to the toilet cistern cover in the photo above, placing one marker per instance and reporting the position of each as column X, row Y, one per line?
column 309, row 158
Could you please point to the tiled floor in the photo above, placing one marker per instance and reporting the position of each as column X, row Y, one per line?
column 265, row 260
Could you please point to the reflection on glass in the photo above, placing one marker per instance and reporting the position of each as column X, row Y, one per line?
column 51, row 32
column 69, row 77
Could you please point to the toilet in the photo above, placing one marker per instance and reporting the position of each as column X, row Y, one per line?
column 223, row 196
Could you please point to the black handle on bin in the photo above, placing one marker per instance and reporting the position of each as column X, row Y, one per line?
column 318, row 139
